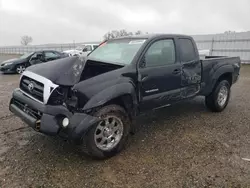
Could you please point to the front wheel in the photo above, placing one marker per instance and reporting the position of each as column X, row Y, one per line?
column 219, row 98
column 109, row 136
column 20, row 69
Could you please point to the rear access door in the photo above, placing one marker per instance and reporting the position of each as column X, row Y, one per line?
column 191, row 68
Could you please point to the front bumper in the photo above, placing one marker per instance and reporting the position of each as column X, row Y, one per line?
column 44, row 118
column 7, row 69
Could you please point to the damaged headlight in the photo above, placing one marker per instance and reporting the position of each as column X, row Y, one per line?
column 72, row 99
column 57, row 96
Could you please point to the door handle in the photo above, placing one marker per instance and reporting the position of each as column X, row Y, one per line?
column 176, row 71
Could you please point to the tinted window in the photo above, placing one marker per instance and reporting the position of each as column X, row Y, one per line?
column 50, row 54
column 37, row 56
column 160, row 53
column 187, row 50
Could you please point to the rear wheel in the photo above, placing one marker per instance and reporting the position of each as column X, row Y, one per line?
column 20, row 69
column 219, row 98
column 109, row 136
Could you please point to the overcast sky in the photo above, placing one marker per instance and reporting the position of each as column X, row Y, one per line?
column 62, row 21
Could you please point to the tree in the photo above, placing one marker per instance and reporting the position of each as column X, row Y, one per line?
column 116, row 33
column 228, row 32
column 120, row 33
column 138, row 32
column 25, row 40
column 111, row 35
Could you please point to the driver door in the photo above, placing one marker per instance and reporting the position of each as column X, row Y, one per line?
column 159, row 75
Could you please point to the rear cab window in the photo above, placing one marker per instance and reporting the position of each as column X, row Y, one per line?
column 187, row 50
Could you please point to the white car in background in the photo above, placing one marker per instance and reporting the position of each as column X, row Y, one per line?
column 82, row 50
column 204, row 53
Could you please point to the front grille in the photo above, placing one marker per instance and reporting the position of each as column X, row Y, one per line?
column 32, row 87
column 25, row 108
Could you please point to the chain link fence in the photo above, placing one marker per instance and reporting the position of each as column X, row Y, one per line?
column 32, row 48
column 216, row 48
column 227, row 44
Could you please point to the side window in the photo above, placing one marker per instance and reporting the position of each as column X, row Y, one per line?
column 87, row 48
column 187, row 50
column 160, row 53
column 37, row 56
column 50, row 55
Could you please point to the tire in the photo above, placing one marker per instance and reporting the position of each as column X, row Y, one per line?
column 20, row 69
column 98, row 133
column 218, row 100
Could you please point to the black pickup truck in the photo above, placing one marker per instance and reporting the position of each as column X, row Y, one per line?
column 93, row 101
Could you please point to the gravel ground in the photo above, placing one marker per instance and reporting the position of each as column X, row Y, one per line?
column 180, row 146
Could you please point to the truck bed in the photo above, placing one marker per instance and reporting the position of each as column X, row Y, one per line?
column 211, row 65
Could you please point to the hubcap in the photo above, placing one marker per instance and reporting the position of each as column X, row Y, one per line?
column 108, row 133
column 222, row 96
column 20, row 69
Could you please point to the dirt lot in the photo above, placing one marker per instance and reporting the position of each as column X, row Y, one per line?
column 180, row 146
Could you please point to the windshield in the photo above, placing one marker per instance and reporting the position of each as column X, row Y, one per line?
column 121, row 51
column 26, row 55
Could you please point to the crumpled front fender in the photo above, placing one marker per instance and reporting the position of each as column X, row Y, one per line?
column 81, row 124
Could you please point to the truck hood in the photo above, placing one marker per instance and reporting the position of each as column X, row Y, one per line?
column 66, row 71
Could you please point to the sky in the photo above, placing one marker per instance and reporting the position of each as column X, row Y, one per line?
column 65, row 21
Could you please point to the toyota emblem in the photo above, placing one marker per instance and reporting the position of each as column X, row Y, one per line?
column 31, row 87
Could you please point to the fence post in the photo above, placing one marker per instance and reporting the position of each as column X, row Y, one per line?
column 212, row 47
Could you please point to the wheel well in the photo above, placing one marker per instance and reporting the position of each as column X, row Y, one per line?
column 124, row 101
column 227, row 76
column 23, row 64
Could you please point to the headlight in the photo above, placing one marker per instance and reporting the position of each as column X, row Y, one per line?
column 8, row 63
column 57, row 97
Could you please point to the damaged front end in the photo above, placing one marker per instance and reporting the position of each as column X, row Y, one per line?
column 51, row 119
column 46, row 101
